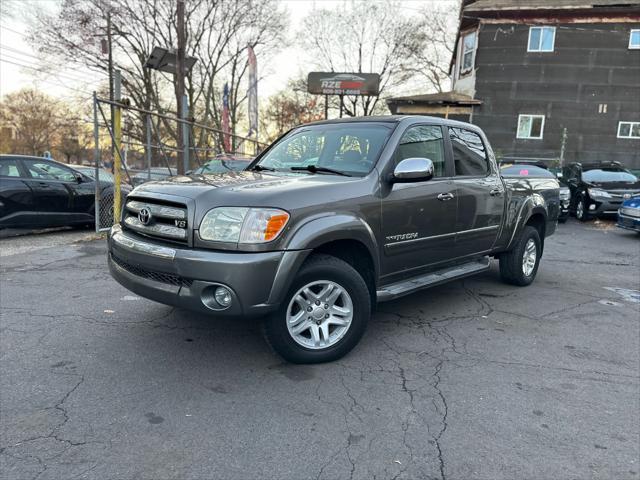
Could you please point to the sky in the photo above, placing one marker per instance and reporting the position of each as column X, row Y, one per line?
column 19, row 63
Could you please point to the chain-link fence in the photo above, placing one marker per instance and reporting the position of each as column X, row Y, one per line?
column 140, row 145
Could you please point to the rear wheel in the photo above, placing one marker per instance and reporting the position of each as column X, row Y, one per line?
column 324, row 314
column 520, row 265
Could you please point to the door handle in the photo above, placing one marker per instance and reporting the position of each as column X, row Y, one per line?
column 443, row 197
column 43, row 184
column 496, row 192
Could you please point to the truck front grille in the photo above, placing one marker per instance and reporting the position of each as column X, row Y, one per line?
column 154, row 218
column 143, row 272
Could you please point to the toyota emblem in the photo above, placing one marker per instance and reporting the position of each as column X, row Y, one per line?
column 144, row 215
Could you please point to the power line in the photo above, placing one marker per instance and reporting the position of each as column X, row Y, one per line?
column 12, row 30
column 22, row 52
column 84, row 92
column 60, row 76
column 32, row 64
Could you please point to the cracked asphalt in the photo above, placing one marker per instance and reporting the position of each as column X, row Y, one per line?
column 470, row 380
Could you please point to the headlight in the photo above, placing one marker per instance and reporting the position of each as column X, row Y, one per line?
column 565, row 194
column 596, row 192
column 242, row 224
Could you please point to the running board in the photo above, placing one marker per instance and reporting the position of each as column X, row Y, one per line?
column 405, row 287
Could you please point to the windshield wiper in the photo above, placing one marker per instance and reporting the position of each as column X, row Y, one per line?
column 262, row 168
column 314, row 169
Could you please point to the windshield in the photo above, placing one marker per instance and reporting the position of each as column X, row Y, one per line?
column 223, row 166
column 608, row 175
column 350, row 148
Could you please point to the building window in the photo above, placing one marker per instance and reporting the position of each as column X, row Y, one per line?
column 541, row 39
column 530, row 126
column 634, row 39
column 628, row 129
column 468, row 52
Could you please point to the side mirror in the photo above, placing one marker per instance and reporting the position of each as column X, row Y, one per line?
column 413, row 170
column 78, row 176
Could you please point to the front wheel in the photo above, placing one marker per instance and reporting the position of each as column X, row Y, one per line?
column 581, row 210
column 324, row 314
column 520, row 265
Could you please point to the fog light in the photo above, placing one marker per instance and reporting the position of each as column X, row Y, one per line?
column 223, row 296
column 592, row 206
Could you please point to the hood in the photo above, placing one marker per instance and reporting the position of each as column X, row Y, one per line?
column 617, row 187
column 288, row 191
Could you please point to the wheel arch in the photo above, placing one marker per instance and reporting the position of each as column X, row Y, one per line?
column 343, row 236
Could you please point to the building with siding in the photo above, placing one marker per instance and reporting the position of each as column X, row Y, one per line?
column 552, row 80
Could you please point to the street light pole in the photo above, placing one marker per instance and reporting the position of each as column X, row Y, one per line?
column 183, row 154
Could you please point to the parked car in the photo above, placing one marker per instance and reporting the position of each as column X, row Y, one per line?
column 40, row 192
column 330, row 219
column 157, row 173
column 540, row 171
column 223, row 164
column 629, row 214
column 599, row 188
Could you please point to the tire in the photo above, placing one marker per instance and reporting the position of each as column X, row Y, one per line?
column 512, row 266
column 581, row 210
column 318, row 273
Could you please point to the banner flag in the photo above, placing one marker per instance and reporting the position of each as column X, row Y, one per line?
column 252, row 94
column 225, row 119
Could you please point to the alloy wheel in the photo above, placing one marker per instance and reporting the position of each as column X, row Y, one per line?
column 529, row 257
column 319, row 314
column 580, row 209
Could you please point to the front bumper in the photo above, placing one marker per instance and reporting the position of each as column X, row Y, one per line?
column 186, row 278
column 600, row 206
column 628, row 223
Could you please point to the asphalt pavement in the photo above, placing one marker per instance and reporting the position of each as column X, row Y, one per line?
column 470, row 380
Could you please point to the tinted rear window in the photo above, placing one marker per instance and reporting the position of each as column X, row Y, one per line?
column 526, row 171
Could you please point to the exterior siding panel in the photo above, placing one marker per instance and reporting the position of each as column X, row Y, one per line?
column 589, row 68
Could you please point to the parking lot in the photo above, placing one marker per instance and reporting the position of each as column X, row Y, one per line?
column 474, row 379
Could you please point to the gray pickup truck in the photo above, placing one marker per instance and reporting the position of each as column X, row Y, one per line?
column 332, row 218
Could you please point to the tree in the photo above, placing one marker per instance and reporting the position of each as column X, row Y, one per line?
column 33, row 117
column 364, row 37
column 432, row 62
column 219, row 32
column 291, row 107
column 41, row 123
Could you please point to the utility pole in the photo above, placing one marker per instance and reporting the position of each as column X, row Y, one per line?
column 111, row 81
column 563, row 146
column 183, row 154
column 117, row 147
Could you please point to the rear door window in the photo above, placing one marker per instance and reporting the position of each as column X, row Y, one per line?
column 469, row 154
column 9, row 168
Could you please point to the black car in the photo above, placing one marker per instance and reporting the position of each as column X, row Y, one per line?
column 599, row 188
column 152, row 175
column 40, row 192
column 540, row 171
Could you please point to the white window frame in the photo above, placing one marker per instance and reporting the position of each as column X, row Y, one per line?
column 539, row 49
column 631, row 124
column 518, row 133
column 461, row 72
column 632, row 46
